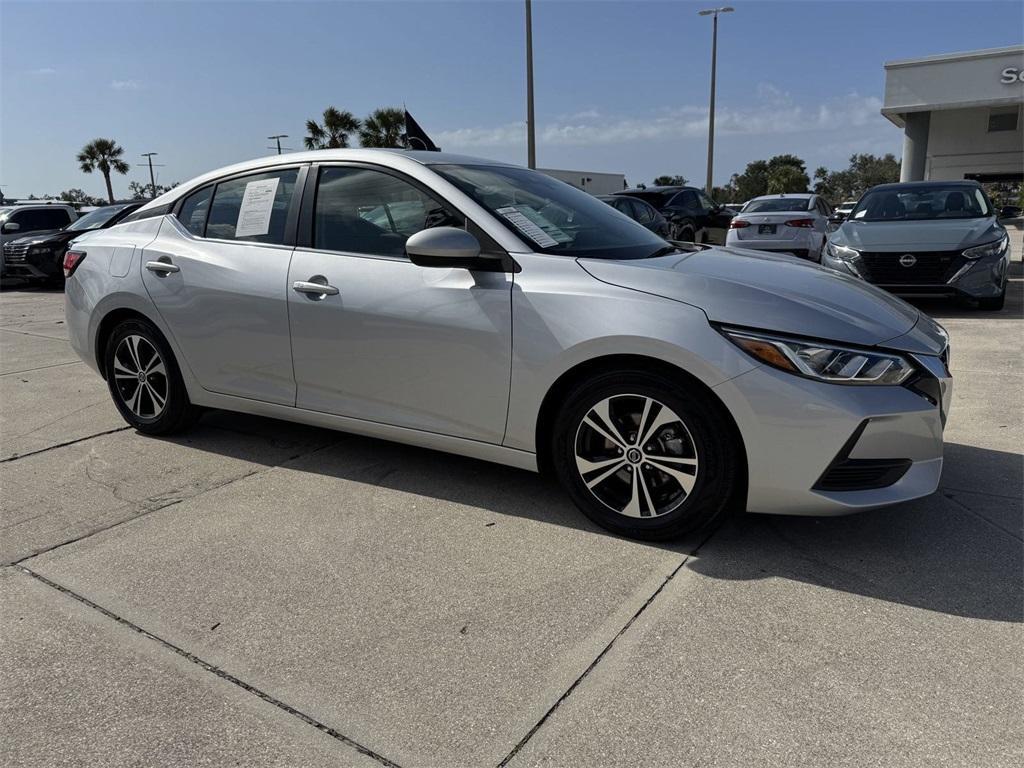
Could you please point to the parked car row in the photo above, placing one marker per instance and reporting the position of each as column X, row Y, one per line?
column 35, row 237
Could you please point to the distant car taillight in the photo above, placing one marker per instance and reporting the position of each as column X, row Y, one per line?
column 802, row 223
column 738, row 224
column 71, row 261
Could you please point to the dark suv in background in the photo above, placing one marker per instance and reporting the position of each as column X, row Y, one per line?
column 692, row 215
column 40, row 256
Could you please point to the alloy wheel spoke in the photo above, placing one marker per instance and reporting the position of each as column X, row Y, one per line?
column 156, row 365
column 133, row 350
column 664, row 418
column 589, row 421
column 586, row 466
column 157, row 400
column 135, row 402
column 122, row 370
column 604, row 475
column 671, row 467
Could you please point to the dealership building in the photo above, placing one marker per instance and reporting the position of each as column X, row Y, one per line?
column 960, row 114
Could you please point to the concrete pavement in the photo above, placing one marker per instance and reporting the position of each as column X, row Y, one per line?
column 261, row 593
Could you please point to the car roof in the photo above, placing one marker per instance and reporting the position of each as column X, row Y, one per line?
column 672, row 188
column 931, row 183
column 395, row 158
column 785, row 196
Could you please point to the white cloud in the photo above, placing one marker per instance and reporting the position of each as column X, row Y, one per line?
column 43, row 71
column 125, row 85
column 772, row 113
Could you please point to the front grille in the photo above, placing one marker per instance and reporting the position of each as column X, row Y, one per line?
column 15, row 253
column 931, row 267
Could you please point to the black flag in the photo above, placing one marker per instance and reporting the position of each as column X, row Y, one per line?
column 416, row 136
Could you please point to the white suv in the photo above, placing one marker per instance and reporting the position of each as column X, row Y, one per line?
column 23, row 219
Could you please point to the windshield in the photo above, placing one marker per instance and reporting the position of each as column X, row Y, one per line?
column 778, row 204
column 95, row 219
column 553, row 216
column 914, row 203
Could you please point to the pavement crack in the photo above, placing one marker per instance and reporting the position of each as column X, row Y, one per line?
column 41, row 368
column 18, row 456
column 604, row 652
column 217, row 671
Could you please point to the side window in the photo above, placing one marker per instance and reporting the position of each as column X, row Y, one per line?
column 367, row 211
column 643, row 212
column 192, row 214
column 706, row 202
column 252, row 208
column 685, row 199
column 37, row 220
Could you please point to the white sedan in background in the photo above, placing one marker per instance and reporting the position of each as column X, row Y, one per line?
column 786, row 223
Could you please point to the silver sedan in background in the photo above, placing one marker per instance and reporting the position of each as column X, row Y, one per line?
column 488, row 310
column 791, row 223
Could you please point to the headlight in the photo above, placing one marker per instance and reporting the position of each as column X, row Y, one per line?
column 40, row 249
column 824, row 362
column 995, row 248
column 841, row 252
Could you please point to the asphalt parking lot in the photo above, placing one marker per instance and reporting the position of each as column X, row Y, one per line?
column 260, row 593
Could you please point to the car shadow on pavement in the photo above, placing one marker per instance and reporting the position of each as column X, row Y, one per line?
column 955, row 552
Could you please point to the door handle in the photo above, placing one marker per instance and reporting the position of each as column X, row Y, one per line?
column 315, row 288
column 162, row 266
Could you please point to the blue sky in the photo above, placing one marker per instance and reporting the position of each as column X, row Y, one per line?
column 620, row 86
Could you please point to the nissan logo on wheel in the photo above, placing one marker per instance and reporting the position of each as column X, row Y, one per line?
column 908, row 259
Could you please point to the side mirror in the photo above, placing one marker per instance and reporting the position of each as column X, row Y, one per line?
column 1009, row 212
column 443, row 247
column 11, row 226
column 837, row 218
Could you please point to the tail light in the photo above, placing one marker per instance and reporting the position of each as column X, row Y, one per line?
column 71, row 261
column 738, row 224
column 801, row 223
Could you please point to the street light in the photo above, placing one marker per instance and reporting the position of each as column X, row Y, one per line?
column 277, row 138
column 152, row 179
column 711, row 111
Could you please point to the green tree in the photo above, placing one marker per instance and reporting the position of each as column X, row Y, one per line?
column 141, row 191
column 782, row 173
column 384, row 127
column 333, row 133
column 865, row 171
column 103, row 155
column 670, row 181
column 79, row 197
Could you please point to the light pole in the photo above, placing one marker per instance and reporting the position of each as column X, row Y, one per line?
column 711, row 109
column 278, row 138
column 152, row 179
column 531, row 138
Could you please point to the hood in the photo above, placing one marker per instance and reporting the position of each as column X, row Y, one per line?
column 782, row 294
column 46, row 236
column 923, row 235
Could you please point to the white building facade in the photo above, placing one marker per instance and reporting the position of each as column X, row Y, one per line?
column 961, row 114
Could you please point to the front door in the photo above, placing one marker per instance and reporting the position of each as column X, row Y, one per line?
column 389, row 341
column 217, row 272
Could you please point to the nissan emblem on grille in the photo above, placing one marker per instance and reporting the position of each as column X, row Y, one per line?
column 908, row 260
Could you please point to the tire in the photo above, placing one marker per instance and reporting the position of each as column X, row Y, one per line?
column 159, row 405
column 686, row 432
column 994, row 304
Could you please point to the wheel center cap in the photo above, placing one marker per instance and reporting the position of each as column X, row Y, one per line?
column 142, row 376
column 633, row 456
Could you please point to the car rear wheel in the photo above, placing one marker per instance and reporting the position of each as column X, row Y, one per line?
column 644, row 456
column 144, row 380
column 683, row 233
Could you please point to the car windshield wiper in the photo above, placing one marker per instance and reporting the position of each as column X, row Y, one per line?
column 663, row 251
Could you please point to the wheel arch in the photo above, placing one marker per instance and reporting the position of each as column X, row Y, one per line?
column 107, row 325
column 563, row 386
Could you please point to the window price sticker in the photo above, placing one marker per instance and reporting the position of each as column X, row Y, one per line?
column 526, row 224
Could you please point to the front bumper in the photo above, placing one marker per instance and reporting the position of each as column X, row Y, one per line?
column 796, row 430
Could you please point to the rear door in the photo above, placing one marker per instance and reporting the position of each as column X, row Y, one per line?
column 389, row 341
column 217, row 273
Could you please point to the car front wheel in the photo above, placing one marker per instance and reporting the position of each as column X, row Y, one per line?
column 144, row 380
column 646, row 457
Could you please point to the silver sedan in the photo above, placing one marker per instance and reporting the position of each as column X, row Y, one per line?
column 487, row 310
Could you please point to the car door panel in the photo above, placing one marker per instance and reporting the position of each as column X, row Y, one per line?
column 425, row 348
column 227, row 308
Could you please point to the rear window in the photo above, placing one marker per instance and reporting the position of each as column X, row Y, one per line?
column 778, row 204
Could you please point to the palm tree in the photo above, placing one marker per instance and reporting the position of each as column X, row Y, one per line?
column 385, row 127
column 333, row 134
column 103, row 155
